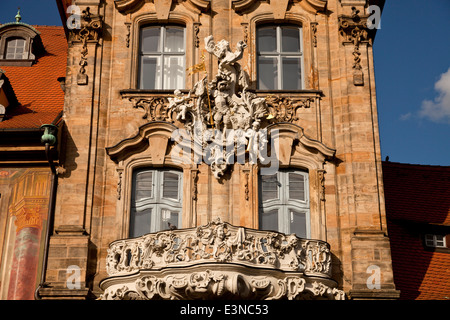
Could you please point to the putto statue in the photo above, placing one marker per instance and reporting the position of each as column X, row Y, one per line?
column 224, row 107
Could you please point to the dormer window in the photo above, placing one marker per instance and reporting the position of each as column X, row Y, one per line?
column 15, row 48
column 20, row 44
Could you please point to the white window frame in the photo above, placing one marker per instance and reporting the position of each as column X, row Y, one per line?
column 284, row 204
column 156, row 202
column 161, row 55
column 431, row 240
column 279, row 54
column 9, row 44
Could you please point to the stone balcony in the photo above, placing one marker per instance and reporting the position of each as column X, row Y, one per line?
column 219, row 261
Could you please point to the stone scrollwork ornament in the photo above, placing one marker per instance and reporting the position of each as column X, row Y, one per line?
column 353, row 29
column 90, row 31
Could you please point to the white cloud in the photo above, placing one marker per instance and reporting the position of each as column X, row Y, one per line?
column 406, row 116
column 439, row 109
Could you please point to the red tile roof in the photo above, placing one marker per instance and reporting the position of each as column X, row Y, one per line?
column 417, row 197
column 38, row 91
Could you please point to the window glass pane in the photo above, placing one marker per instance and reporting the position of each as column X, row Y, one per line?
column 15, row 49
column 174, row 72
column 168, row 216
column 267, row 73
column 150, row 40
column 20, row 43
column 440, row 240
column 290, row 40
column 150, row 73
column 140, row 222
column 296, row 186
column 291, row 74
column 429, row 240
column 267, row 39
column 174, row 41
column 170, row 186
column 269, row 220
column 297, row 223
column 269, row 187
column 144, row 185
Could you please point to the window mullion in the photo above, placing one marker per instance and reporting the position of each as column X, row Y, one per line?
column 279, row 51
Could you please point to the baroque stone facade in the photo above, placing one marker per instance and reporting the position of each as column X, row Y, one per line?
column 221, row 129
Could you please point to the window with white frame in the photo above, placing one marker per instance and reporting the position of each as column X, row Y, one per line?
column 162, row 57
column 280, row 57
column 435, row 241
column 156, row 200
column 15, row 49
column 284, row 202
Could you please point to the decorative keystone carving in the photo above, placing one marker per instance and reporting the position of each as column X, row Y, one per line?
column 353, row 29
column 91, row 27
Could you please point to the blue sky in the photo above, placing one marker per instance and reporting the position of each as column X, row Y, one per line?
column 412, row 70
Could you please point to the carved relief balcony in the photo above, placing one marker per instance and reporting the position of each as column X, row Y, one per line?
column 219, row 261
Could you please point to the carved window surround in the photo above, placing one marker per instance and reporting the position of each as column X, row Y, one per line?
column 265, row 15
column 151, row 147
column 192, row 27
column 299, row 151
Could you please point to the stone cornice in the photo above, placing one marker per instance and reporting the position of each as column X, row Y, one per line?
column 128, row 6
column 140, row 141
column 245, row 5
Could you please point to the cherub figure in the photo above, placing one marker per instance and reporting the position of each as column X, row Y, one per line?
column 257, row 142
column 180, row 104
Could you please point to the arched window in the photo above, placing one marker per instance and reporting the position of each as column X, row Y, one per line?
column 162, row 57
column 156, row 200
column 15, row 49
column 280, row 57
column 284, row 202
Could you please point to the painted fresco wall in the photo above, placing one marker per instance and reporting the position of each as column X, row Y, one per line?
column 23, row 218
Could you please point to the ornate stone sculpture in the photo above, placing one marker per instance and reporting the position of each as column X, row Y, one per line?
column 221, row 105
column 212, row 262
column 219, row 242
